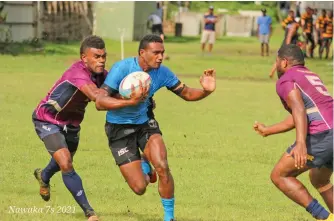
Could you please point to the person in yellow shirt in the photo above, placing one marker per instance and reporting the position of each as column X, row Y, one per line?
column 307, row 27
column 288, row 20
column 320, row 26
column 327, row 34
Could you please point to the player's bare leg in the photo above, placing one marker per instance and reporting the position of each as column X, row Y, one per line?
column 320, row 179
column 210, row 48
column 134, row 176
column 73, row 182
column 43, row 177
column 267, row 49
column 311, row 48
column 284, row 177
column 328, row 45
column 262, row 49
column 203, row 47
column 321, row 49
column 156, row 152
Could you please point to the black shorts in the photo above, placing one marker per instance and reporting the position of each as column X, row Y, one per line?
column 56, row 137
column 319, row 38
column 157, row 29
column 126, row 139
column 327, row 40
column 319, row 149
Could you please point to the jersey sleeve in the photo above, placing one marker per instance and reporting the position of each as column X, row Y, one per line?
column 283, row 88
column 114, row 77
column 80, row 78
column 304, row 16
column 171, row 81
column 284, row 23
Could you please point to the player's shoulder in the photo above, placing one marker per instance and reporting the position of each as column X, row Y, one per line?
column 77, row 69
column 164, row 70
column 304, row 15
column 124, row 65
column 125, row 62
column 287, row 76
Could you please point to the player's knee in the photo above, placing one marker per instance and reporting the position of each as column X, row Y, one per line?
column 318, row 182
column 321, row 185
column 66, row 165
column 275, row 176
column 139, row 188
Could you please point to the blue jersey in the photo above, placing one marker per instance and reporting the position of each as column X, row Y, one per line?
column 161, row 77
column 209, row 26
column 264, row 23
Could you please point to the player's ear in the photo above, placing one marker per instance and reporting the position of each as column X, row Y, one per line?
column 285, row 63
column 83, row 57
column 141, row 52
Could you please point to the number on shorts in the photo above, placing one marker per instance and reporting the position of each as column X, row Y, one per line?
column 317, row 83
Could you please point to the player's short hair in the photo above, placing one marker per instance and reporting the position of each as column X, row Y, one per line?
column 292, row 53
column 92, row 41
column 151, row 38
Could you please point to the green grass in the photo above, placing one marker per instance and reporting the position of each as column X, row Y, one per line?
column 220, row 165
column 232, row 6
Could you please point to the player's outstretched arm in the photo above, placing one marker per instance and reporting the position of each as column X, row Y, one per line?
column 109, row 101
column 208, row 82
column 273, row 70
column 100, row 95
column 286, row 125
column 91, row 91
column 292, row 32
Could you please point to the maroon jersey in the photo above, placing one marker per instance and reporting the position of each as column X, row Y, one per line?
column 317, row 100
column 65, row 104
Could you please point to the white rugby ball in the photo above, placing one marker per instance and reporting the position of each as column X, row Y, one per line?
column 133, row 79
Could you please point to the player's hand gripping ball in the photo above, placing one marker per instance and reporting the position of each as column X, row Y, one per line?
column 134, row 81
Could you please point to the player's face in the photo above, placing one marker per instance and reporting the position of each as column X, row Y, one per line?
column 281, row 65
column 153, row 54
column 95, row 59
column 309, row 11
column 292, row 14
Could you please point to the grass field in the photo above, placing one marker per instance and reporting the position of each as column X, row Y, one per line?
column 220, row 165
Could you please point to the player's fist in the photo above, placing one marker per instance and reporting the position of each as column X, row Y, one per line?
column 208, row 80
column 260, row 129
column 140, row 94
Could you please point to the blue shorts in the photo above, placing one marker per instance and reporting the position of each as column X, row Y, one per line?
column 319, row 149
column 55, row 136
